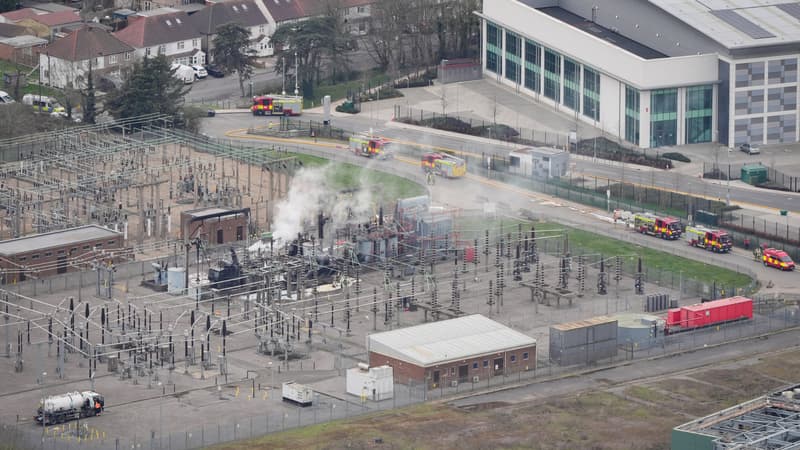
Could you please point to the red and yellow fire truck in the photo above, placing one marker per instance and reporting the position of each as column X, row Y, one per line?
column 369, row 146
column 663, row 227
column 712, row 240
column 779, row 259
column 443, row 164
column 269, row 105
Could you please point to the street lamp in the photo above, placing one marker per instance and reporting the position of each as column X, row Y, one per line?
column 296, row 75
column 251, row 88
column 44, row 421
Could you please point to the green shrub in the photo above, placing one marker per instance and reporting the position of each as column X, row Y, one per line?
column 676, row 157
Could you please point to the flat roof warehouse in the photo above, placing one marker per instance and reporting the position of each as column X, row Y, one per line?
column 54, row 239
column 447, row 340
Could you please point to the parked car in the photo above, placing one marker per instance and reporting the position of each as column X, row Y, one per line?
column 199, row 71
column 750, row 149
column 215, row 71
column 5, row 98
column 44, row 103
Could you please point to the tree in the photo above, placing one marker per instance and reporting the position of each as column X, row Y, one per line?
column 150, row 87
column 7, row 5
column 89, row 104
column 233, row 53
column 310, row 41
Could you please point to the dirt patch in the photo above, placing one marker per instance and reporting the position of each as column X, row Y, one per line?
column 483, row 406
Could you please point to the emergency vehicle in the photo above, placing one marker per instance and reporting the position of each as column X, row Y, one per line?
column 713, row 240
column 268, row 105
column 663, row 227
column 778, row 259
column 369, row 146
column 443, row 164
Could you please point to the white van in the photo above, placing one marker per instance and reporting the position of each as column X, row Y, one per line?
column 44, row 103
column 183, row 73
column 5, row 98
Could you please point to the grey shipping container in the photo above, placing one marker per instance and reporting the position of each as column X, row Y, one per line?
column 585, row 354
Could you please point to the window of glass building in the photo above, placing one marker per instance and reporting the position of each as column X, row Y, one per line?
column 631, row 115
column 552, row 75
column 591, row 93
column 699, row 112
column 494, row 45
column 572, row 84
column 533, row 66
column 513, row 57
column 663, row 117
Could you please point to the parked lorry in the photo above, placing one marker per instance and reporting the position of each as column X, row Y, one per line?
column 444, row 165
column 274, row 105
column 370, row 147
column 297, row 393
column 713, row 240
column 69, row 406
column 663, row 227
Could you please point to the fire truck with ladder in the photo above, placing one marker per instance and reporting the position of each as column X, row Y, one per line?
column 713, row 240
column 663, row 227
column 443, row 164
column 369, row 146
column 270, row 105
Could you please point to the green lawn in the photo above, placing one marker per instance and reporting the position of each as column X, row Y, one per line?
column 30, row 88
column 339, row 91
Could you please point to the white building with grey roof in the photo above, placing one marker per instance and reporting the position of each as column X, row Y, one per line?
column 654, row 72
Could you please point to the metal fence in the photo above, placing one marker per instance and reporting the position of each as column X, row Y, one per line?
column 776, row 178
column 771, row 315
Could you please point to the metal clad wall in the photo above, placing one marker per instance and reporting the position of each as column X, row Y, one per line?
column 585, row 344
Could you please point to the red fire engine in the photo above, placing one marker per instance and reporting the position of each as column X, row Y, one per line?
column 267, row 105
column 663, row 227
column 778, row 259
column 713, row 240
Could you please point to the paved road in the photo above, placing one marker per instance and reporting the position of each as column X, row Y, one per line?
column 467, row 194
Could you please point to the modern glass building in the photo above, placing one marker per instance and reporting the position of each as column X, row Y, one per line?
column 654, row 72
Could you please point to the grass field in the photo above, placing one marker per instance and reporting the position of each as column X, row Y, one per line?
column 348, row 176
column 340, row 90
column 636, row 416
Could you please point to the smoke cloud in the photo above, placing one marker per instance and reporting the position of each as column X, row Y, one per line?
column 312, row 191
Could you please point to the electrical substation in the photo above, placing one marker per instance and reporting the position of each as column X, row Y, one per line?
column 206, row 303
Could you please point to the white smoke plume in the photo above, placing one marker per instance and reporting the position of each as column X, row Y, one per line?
column 311, row 191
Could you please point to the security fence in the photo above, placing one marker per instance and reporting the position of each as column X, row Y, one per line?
column 775, row 178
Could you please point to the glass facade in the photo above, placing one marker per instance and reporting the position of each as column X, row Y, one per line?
column 631, row 115
column 533, row 66
column 494, row 48
column 572, row 84
column 663, row 117
column 552, row 75
column 513, row 57
column 699, row 113
column 591, row 93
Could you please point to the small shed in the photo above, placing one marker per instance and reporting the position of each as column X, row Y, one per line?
column 540, row 162
column 754, row 174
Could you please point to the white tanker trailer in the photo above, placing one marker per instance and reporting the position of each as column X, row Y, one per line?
column 69, row 406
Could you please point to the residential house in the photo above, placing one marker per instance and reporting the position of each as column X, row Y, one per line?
column 56, row 22
column 355, row 14
column 170, row 33
column 246, row 13
column 22, row 49
column 66, row 62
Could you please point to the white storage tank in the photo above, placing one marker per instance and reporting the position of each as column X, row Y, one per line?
column 176, row 280
column 370, row 383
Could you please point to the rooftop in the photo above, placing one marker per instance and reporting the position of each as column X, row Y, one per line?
column 583, row 323
column 453, row 339
column 24, row 41
column 58, row 18
column 704, row 306
column 85, row 43
column 245, row 13
column 151, row 30
column 739, row 23
column 768, row 422
column 207, row 211
column 603, row 33
column 539, row 151
column 53, row 239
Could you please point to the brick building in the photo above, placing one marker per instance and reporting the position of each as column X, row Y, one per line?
column 215, row 225
column 461, row 350
column 54, row 252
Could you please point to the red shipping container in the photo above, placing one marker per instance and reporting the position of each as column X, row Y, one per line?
column 717, row 311
column 674, row 317
column 469, row 254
